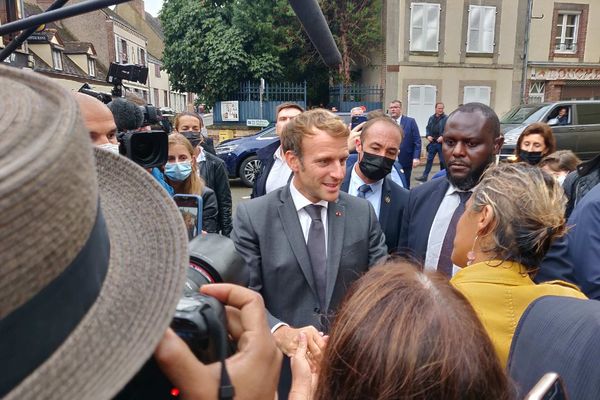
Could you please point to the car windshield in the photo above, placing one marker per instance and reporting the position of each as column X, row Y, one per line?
column 524, row 114
column 268, row 133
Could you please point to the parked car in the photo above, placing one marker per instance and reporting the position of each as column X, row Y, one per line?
column 580, row 132
column 239, row 154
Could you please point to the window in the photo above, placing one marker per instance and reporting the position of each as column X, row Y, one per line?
column 142, row 57
column 424, row 26
column 122, row 56
column 536, row 92
column 157, row 70
column 57, row 60
column 92, row 67
column 588, row 114
column 482, row 25
column 156, row 97
column 478, row 94
column 166, row 98
column 421, row 104
column 566, row 32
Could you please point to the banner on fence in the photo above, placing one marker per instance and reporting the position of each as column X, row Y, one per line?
column 230, row 111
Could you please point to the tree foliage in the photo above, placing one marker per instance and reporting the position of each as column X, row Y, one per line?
column 213, row 45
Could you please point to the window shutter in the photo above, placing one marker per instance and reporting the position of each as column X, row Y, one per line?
column 488, row 28
column 424, row 27
column 417, row 23
column 473, row 31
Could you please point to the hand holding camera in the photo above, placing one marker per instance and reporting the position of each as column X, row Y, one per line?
column 254, row 369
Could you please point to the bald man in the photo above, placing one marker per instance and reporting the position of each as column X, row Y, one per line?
column 97, row 119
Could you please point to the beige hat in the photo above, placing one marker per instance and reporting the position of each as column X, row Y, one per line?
column 93, row 252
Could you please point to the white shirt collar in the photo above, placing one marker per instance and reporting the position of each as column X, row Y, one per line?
column 201, row 157
column 300, row 201
column 278, row 155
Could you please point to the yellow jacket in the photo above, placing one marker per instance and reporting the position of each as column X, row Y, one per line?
column 500, row 292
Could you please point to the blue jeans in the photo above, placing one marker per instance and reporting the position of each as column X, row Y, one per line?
column 432, row 150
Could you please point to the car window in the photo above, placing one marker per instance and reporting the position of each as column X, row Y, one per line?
column 588, row 114
column 524, row 114
column 268, row 133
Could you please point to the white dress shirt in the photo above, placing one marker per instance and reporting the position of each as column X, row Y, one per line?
column 279, row 174
column 374, row 196
column 439, row 227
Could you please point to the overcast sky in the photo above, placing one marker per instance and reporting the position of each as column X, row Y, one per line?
column 153, row 6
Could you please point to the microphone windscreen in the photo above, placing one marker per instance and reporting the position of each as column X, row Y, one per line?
column 128, row 116
column 312, row 19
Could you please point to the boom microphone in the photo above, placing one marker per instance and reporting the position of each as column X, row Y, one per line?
column 313, row 21
column 128, row 116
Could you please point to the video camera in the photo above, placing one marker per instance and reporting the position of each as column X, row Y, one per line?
column 199, row 320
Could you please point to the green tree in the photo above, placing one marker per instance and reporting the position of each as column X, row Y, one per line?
column 204, row 53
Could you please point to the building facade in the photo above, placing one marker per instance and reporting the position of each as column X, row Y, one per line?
column 454, row 52
column 564, row 53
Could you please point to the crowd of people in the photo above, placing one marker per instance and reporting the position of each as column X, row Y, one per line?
column 359, row 286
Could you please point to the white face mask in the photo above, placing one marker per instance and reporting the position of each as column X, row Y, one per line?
column 561, row 179
column 113, row 148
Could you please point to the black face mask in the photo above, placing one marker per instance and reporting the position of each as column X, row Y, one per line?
column 531, row 157
column 195, row 138
column 375, row 167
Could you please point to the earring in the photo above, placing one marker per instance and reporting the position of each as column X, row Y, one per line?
column 471, row 254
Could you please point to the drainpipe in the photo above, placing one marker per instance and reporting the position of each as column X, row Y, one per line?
column 526, row 50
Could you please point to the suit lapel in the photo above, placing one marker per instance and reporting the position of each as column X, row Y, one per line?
column 336, row 220
column 346, row 181
column 435, row 199
column 293, row 231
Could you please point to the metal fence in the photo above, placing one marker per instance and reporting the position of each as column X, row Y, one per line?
column 249, row 104
column 345, row 97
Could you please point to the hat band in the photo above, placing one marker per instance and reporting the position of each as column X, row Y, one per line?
column 31, row 333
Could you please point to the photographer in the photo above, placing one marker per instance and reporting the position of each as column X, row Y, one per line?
column 254, row 369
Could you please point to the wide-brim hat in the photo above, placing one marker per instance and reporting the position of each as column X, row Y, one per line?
column 93, row 251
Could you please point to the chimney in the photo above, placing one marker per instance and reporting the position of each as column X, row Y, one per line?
column 138, row 6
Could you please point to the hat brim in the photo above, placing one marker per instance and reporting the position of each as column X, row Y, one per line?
column 148, row 261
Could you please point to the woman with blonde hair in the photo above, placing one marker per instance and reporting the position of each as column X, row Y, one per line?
column 181, row 174
column 512, row 217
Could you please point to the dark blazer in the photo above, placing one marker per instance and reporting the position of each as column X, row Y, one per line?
column 393, row 200
column 268, row 235
column 265, row 155
column 353, row 158
column 410, row 148
column 574, row 257
column 210, row 211
column 418, row 216
column 214, row 173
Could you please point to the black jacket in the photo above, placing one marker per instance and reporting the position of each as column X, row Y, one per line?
column 209, row 211
column 214, row 173
column 579, row 182
column 265, row 155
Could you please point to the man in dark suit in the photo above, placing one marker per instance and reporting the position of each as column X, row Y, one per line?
column 410, row 149
column 306, row 243
column 470, row 143
column 274, row 171
column 574, row 257
column 369, row 178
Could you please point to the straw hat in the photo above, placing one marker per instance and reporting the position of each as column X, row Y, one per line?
column 93, row 252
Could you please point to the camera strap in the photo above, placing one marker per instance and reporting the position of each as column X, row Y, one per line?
column 226, row 389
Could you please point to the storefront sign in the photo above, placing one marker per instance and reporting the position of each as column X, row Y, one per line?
column 576, row 74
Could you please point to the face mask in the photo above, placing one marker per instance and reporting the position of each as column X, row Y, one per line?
column 113, row 148
column 531, row 157
column 375, row 167
column 561, row 179
column 178, row 171
column 194, row 137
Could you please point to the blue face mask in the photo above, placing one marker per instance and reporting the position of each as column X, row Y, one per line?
column 178, row 171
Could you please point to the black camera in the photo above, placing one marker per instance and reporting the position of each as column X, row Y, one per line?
column 199, row 320
column 148, row 149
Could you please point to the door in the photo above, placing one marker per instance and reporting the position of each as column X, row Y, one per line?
column 421, row 104
column 587, row 130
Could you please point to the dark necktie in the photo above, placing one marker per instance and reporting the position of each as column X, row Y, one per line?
column 445, row 262
column 316, row 251
column 363, row 190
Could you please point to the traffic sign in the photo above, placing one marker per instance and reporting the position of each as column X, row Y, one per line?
column 263, row 123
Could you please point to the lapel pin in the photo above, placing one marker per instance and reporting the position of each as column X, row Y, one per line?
column 338, row 213
column 387, row 199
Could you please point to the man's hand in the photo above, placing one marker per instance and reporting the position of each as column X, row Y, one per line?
column 430, row 138
column 416, row 162
column 257, row 358
column 304, row 374
column 287, row 341
column 354, row 135
column 440, row 139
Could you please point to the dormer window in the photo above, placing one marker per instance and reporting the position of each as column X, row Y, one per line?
column 57, row 60
column 92, row 66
